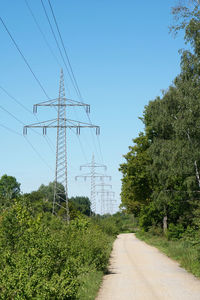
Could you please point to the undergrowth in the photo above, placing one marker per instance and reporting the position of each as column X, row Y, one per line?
column 42, row 257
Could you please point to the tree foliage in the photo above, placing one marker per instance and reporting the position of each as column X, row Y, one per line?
column 170, row 162
column 81, row 204
column 136, row 182
column 9, row 190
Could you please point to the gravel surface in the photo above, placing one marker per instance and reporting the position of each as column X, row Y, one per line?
column 140, row 272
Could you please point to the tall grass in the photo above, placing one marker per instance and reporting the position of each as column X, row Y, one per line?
column 90, row 285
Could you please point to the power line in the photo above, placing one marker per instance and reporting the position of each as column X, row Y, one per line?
column 100, row 148
column 23, row 57
column 13, row 116
column 34, row 149
column 38, row 154
column 18, row 120
column 48, row 141
column 73, row 79
column 14, row 99
column 42, row 33
column 73, row 76
column 11, row 130
column 29, row 69
column 49, row 22
column 81, row 146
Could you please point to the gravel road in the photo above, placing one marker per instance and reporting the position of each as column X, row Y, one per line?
column 140, row 272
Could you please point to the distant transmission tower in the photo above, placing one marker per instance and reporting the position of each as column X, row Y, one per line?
column 112, row 204
column 106, row 200
column 93, row 176
column 61, row 123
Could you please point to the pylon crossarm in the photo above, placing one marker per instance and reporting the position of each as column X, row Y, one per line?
column 82, row 176
column 100, row 166
column 54, row 124
column 105, row 192
column 88, row 175
column 105, row 176
column 94, row 174
column 78, row 123
column 78, row 103
column 93, row 166
column 41, row 124
column 65, row 102
column 71, row 122
column 104, row 184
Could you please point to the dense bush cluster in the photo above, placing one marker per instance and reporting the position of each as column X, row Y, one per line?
column 41, row 257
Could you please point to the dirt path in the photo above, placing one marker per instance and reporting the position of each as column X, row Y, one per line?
column 140, row 272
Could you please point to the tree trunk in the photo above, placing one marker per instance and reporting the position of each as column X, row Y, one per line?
column 165, row 221
column 197, row 173
column 195, row 162
column 165, row 225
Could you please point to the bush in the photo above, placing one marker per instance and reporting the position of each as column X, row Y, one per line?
column 155, row 230
column 34, row 262
column 175, row 232
column 149, row 216
column 41, row 257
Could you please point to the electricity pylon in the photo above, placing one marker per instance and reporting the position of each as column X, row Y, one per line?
column 93, row 176
column 61, row 123
column 113, row 203
column 105, row 197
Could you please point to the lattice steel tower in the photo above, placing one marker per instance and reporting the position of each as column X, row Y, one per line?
column 61, row 123
column 105, row 197
column 93, row 176
column 61, row 149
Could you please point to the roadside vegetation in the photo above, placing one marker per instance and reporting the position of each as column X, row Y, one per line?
column 161, row 173
column 41, row 256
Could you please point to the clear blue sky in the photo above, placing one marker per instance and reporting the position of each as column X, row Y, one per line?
column 122, row 56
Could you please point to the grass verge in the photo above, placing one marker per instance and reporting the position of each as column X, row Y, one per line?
column 90, row 285
column 183, row 252
column 90, row 281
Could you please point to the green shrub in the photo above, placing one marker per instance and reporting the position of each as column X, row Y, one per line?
column 149, row 216
column 41, row 257
column 175, row 231
column 34, row 262
column 155, row 230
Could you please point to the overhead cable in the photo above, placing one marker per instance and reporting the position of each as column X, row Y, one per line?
column 41, row 32
column 73, row 76
column 46, row 14
column 15, row 132
column 10, row 129
column 70, row 66
column 25, row 108
column 23, row 57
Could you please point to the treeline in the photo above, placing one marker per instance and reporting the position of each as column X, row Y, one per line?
column 41, row 256
column 161, row 175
